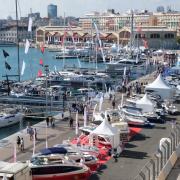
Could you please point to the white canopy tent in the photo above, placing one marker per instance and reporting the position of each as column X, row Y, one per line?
column 145, row 104
column 105, row 129
column 161, row 88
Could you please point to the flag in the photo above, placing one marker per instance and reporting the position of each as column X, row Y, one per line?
column 14, row 154
column 7, row 66
column 41, row 62
column 30, row 25
column 77, row 128
column 85, row 117
column 100, row 43
column 42, row 49
column 27, row 46
column 64, row 37
column 122, row 99
column 40, row 73
column 145, row 43
column 124, row 71
column 34, row 142
column 5, row 53
column 94, row 110
column 55, row 69
column 137, row 59
column 105, row 87
column 23, row 68
column 100, row 103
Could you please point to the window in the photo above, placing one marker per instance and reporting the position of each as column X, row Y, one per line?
column 169, row 36
column 155, row 36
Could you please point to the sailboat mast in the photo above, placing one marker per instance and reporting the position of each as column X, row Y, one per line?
column 132, row 33
column 17, row 34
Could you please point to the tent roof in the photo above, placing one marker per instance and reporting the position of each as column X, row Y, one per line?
column 158, row 83
column 105, row 129
column 144, row 100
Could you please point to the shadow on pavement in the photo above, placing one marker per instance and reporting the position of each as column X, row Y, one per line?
column 100, row 171
column 139, row 137
column 133, row 154
column 128, row 145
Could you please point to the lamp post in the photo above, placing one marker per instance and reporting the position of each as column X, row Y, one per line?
column 46, row 69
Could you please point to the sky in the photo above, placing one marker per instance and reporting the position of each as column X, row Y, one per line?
column 81, row 7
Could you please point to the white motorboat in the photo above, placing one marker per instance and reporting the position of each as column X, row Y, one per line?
column 134, row 120
column 112, row 113
column 124, row 63
column 10, row 117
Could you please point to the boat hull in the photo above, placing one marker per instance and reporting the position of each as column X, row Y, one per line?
column 63, row 176
column 10, row 119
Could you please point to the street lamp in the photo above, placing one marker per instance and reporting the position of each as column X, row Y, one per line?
column 46, row 69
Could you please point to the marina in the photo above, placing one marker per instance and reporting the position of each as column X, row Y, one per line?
column 78, row 101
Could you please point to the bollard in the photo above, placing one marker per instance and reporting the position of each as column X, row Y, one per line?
column 164, row 154
column 178, row 129
column 149, row 172
column 168, row 149
column 173, row 137
column 171, row 150
column 153, row 168
column 142, row 175
column 161, row 161
column 157, row 165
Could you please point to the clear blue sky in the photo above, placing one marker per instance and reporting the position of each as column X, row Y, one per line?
column 80, row 7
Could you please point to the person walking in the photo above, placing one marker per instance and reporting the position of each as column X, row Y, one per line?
column 113, row 103
column 18, row 141
column 51, row 121
column 35, row 133
column 22, row 144
column 47, row 121
column 71, row 122
column 31, row 132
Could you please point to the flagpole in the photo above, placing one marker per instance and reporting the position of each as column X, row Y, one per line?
column 17, row 34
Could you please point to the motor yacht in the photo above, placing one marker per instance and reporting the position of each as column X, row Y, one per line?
column 10, row 117
column 57, row 167
column 77, row 155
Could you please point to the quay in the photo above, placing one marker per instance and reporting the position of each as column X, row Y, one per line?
column 137, row 152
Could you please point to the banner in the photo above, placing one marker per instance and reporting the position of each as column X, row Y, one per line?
column 30, row 25
column 77, row 128
column 27, row 45
column 23, row 68
column 85, row 117
column 100, row 43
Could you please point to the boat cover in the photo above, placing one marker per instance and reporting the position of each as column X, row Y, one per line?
column 53, row 150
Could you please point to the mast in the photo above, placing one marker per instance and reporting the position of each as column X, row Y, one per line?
column 132, row 33
column 17, row 34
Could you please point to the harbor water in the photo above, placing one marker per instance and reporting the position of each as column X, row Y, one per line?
column 32, row 62
column 32, row 66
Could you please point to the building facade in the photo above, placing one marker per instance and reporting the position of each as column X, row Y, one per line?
column 150, row 36
column 114, row 22
column 52, row 11
column 157, row 37
column 9, row 33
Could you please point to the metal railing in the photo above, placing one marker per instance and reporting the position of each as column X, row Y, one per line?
column 153, row 167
